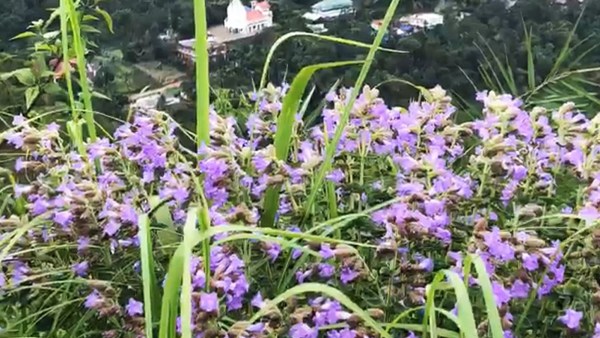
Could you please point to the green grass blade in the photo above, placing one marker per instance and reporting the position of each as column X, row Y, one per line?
column 186, row 284
column 332, row 146
column 64, row 30
column 566, row 49
column 430, row 303
column 465, row 309
column 329, row 291
column 202, row 75
column 530, row 57
column 285, row 37
column 78, row 46
column 151, row 295
column 170, row 299
column 483, row 278
column 285, row 127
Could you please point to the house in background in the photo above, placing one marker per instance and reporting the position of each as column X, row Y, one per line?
column 328, row 10
column 248, row 20
column 241, row 23
column 411, row 24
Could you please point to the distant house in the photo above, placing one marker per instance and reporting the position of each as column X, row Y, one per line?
column 423, row 20
column 248, row 20
column 410, row 24
column 329, row 9
column 186, row 49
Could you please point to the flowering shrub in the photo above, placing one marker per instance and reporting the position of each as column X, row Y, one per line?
column 416, row 191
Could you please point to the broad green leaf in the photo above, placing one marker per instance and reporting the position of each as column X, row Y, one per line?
column 285, row 127
column 25, row 76
column 326, row 290
column 31, row 94
column 150, row 284
column 24, row 35
column 107, row 18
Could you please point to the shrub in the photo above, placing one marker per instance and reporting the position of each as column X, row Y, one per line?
column 411, row 197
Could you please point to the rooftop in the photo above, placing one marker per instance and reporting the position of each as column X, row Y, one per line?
column 327, row 5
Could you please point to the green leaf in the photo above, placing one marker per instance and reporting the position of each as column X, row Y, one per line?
column 466, row 318
column 150, row 284
column 78, row 46
column 25, row 76
column 483, row 278
column 160, row 212
column 107, row 18
column 31, row 94
column 101, row 96
column 326, row 290
column 89, row 17
column 285, row 127
column 24, row 35
column 186, row 283
column 90, row 29
column 170, row 299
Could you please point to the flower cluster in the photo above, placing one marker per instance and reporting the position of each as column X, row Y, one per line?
column 516, row 187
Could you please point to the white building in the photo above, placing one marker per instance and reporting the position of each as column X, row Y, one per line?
column 329, row 9
column 248, row 20
column 423, row 20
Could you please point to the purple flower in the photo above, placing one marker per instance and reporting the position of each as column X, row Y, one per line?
column 302, row 330
column 209, row 302
column 519, row 289
column 497, row 248
column 530, row 262
column 589, row 214
column 343, row 333
column 93, row 300
column 82, row 244
column 63, row 218
column 426, row 264
column 501, row 295
column 80, row 269
column 134, row 308
column 257, row 301
column 326, row 252
column 326, row 270
column 347, row 275
column 336, row 176
column 571, row 319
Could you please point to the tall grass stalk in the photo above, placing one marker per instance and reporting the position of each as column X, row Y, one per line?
column 202, row 75
column 78, row 46
column 285, row 130
column 75, row 127
column 332, row 146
